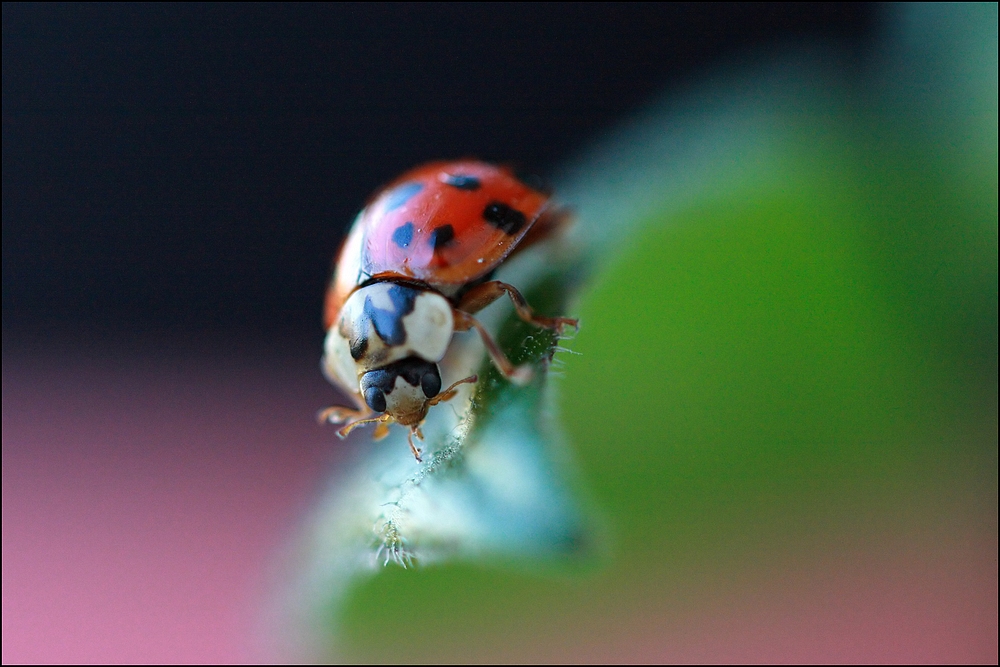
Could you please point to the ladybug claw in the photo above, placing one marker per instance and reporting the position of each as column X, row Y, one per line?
column 331, row 415
column 565, row 322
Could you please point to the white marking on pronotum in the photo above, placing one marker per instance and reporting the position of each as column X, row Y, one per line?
column 429, row 327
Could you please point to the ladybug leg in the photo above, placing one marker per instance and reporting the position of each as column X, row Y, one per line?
column 413, row 446
column 483, row 295
column 338, row 414
column 450, row 392
column 351, row 418
column 519, row 375
column 381, row 430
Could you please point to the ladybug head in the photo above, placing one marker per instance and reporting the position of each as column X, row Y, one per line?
column 385, row 345
column 402, row 389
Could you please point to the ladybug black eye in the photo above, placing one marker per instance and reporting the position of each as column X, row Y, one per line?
column 375, row 399
column 431, row 382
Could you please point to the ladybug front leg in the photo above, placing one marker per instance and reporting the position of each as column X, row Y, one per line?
column 338, row 414
column 451, row 391
column 519, row 375
column 483, row 295
column 352, row 418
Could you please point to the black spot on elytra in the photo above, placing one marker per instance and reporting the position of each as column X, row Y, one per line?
column 461, row 182
column 403, row 235
column 506, row 219
column 381, row 381
column 388, row 323
column 442, row 237
column 401, row 194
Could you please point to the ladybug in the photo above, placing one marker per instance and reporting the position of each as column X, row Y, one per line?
column 414, row 269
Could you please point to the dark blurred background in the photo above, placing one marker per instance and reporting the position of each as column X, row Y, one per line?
column 185, row 170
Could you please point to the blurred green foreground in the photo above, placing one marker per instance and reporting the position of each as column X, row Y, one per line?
column 784, row 410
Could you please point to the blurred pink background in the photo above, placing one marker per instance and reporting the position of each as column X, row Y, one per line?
column 146, row 499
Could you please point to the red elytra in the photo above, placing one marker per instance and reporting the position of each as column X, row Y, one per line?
column 443, row 223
